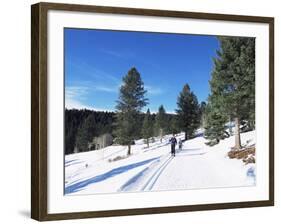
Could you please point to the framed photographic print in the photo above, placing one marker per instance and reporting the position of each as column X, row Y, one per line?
column 141, row 111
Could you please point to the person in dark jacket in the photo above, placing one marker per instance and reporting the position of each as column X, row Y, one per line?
column 180, row 144
column 173, row 141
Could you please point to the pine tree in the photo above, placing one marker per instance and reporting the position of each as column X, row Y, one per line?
column 233, row 80
column 202, row 110
column 147, row 128
column 85, row 133
column 131, row 101
column 175, row 126
column 161, row 122
column 247, row 62
column 188, row 111
column 214, row 123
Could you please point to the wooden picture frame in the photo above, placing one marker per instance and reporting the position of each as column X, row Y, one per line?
column 39, row 110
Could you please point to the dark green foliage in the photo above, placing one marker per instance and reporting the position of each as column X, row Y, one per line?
column 215, row 124
column 132, row 93
column 139, row 118
column 105, row 122
column 233, row 80
column 131, row 101
column 202, row 107
column 125, row 128
column 161, row 122
column 85, row 134
column 74, row 120
column 147, row 127
column 233, row 77
column 174, row 125
column 202, row 110
column 188, row 111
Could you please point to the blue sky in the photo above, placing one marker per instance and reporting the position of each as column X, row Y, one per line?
column 96, row 61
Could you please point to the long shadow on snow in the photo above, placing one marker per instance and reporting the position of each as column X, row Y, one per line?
column 71, row 164
column 70, row 161
column 80, row 185
column 199, row 135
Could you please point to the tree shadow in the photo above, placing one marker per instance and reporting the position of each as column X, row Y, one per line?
column 69, row 161
column 82, row 184
column 201, row 134
column 71, row 164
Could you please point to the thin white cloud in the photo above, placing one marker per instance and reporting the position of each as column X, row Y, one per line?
column 75, row 104
column 108, row 89
column 75, row 94
column 101, row 75
column 156, row 111
column 73, row 97
column 171, row 112
column 83, row 90
column 88, row 69
column 152, row 90
column 118, row 54
column 72, row 92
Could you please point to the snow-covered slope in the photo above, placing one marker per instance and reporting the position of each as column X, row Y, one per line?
column 152, row 169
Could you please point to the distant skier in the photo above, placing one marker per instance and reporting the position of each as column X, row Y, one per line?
column 180, row 144
column 173, row 141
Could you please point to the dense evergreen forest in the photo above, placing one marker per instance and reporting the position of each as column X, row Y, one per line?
column 81, row 126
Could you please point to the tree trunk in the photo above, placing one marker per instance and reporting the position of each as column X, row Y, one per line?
column 237, row 134
column 229, row 126
column 129, row 150
column 161, row 134
column 147, row 143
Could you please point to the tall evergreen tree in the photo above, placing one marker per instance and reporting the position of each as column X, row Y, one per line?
column 85, row 133
column 147, row 128
column 131, row 101
column 188, row 111
column 161, row 122
column 233, row 80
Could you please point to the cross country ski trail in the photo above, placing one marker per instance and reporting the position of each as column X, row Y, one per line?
column 196, row 166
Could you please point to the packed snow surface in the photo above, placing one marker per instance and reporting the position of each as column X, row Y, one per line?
column 195, row 166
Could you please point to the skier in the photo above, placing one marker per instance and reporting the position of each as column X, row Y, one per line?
column 180, row 144
column 173, row 141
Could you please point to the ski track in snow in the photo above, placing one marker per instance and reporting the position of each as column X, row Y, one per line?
column 152, row 180
column 152, row 169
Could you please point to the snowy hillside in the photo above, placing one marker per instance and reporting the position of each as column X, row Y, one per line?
column 152, row 169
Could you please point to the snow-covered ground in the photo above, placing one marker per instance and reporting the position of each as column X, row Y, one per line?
column 152, row 169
